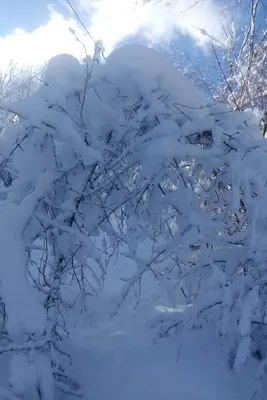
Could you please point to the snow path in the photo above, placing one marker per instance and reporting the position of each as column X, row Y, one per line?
column 117, row 358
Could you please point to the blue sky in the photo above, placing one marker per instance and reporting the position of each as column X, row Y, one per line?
column 43, row 29
column 25, row 14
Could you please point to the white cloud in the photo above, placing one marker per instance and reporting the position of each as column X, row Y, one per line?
column 111, row 21
column 36, row 47
column 114, row 19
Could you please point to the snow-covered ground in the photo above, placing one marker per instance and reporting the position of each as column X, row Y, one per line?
column 118, row 358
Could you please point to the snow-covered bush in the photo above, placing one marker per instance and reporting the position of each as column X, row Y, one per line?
column 120, row 153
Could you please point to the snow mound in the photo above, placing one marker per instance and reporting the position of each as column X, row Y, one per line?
column 62, row 70
column 150, row 66
column 61, row 64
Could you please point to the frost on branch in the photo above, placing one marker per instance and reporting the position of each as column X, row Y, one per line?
column 120, row 154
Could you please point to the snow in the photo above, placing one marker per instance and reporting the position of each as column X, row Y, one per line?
column 26, row 372
column 22, row 373
column 26, row 315
column 134, row 199
column 119, row 358
column 243, row 353
column 62, row 70
column 159, row 74
column 250, row 303
column 44, row 376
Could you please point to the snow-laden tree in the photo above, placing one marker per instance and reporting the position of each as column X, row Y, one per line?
column 244, row 58
column 122, row 153
column 16, row 84
column 235, row 71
